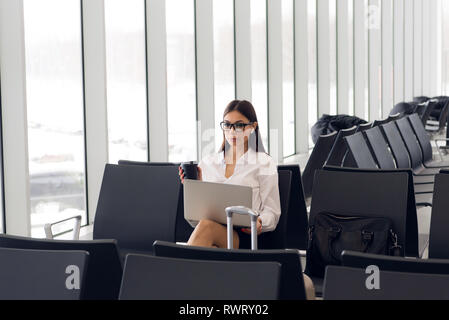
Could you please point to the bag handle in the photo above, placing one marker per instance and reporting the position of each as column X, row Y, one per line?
column 367, row 238
column 395, row 249
column 334, row 233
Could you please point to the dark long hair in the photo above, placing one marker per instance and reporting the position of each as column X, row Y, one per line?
column 246, row 109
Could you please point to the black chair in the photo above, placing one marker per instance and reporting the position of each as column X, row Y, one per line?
column 183, row 228
column 346, row 191
column 158, row 278
column 291, row 283
column 339, row 149
column 137, row 205
column 403, row 108
column 397, row 147
column 349, row 161
column 413, row 148
column 360, row 151
column 439, row 236
column 400, row 152
column 416, row 242
column 441, row 102
column 365, row 160
column 380, row 122
column 379, row 147
column 424, row 143
column 362, row 260
column 384, row 158
column 42, row 274
column 365, row 126
column 369, row 193
column 420, row 108
column 390, row 118
column 428, row 110
column 277, row 239
column 316, row 160
column 142, row 163
column 394, row 117
column 298, row 221
column 104, row 272
column 443, row 115
column 421, row 99
column 440, row 113
column 343, row 283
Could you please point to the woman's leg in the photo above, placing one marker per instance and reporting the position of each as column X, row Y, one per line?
column 211, row 234
column 310, row 288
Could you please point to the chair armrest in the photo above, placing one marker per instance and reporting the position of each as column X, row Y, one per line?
column 76, row 230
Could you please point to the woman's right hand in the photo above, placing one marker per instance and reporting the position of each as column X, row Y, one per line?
column 181, row 174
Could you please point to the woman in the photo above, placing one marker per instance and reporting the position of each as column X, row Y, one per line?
column 242, row 160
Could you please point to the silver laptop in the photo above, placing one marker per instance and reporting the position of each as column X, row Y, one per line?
column 208, row 200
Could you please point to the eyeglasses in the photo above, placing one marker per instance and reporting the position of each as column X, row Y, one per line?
column 238, row 127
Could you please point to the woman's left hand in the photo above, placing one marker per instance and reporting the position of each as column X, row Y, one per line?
column 259, row 228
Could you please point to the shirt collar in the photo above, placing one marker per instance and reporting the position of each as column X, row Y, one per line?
column 250, row 157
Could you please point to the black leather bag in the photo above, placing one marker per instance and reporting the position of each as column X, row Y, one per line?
column 331, row 234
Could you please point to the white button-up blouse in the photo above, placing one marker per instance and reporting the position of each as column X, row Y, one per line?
column 256, row 170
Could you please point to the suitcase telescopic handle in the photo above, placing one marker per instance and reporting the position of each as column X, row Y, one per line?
column 242, row 211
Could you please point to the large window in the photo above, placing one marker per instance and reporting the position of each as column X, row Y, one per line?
column 224, row 64
column 312, row 64
column 2, row 185
column 445, row 46
column 366, row 59
column 55, row 111
column 288, row 75
column 333, row 55
column 387, row 86
column 126, row 79
column 181, row 80
column 351, row 56
column 259, row 65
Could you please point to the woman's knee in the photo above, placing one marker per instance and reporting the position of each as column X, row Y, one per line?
column 207, row 228
column 215, row 232
column 206, row 225
column 309, row 287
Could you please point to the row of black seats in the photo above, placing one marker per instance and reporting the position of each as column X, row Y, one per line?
column 339, row 190
column 134, row 194
column 433, row 112
column 402, row 144
column 143, row 202
column 92, row 270
column 345, row 191
column 332, row 149
column 394, row 278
